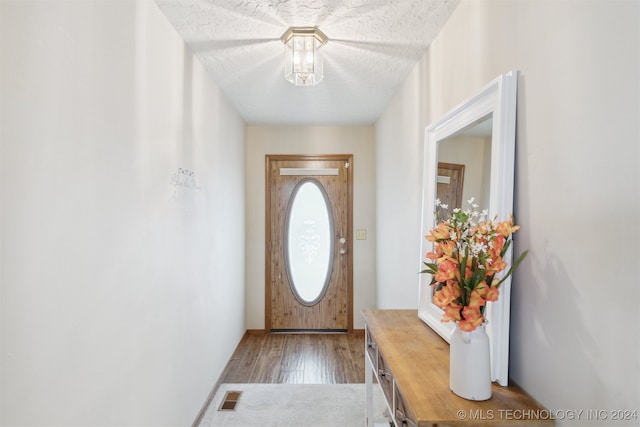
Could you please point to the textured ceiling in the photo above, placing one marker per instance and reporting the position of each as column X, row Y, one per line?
column 373, row 45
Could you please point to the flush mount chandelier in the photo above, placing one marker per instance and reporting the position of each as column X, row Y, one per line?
column 303, row 60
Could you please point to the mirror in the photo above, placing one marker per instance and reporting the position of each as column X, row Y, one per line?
column 464, row 166
column 469, row 152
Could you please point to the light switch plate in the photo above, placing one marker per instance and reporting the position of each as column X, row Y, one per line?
column 361, row 234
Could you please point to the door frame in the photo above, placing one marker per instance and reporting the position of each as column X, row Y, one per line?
column 269, row 158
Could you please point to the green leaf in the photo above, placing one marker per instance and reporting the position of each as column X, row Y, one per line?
column 431, row 268
column 476, row 278
column 514, row 266
column 505, row 247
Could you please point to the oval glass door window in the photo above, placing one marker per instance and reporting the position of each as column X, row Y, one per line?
column 309, row 242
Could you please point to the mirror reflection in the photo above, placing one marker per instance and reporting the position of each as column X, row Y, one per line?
column 464, row 167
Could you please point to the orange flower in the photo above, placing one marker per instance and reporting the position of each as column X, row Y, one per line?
column 441, row 232
column 483, row 228
column 432, row 256
column 470, row 325
column 506, row 228
column 471, row 313
column 447, row 294
column 447, row 247
column 498, row 244
column 472, row 318
column 477, row 298
column 496, row 266
column 442, row 298
column 446, row 271
column 451, row 313
column 493, row 294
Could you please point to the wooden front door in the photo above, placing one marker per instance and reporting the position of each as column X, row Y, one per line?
column 308, row 242
column 450, row 185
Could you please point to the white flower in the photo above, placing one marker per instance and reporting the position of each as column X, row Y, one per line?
column 478, row 248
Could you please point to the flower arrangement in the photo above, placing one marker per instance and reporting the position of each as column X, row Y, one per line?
column 467, row 255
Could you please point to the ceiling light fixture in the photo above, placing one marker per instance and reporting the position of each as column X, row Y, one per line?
column 303, row 60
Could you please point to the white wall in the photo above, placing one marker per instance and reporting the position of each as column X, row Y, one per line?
column 356, row 140
column 398, row 155
column 122, row 297
column 575, row 310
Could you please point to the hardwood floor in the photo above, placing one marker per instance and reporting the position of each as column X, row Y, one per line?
column 297, row 359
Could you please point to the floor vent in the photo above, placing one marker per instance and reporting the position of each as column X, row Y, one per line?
column 230, row 401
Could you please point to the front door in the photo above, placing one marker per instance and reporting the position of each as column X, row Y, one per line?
column 449, row 190
column 308, row 243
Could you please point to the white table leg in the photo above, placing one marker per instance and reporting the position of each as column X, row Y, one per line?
column 368, row 380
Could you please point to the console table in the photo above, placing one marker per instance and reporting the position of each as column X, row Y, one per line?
column 411, row 364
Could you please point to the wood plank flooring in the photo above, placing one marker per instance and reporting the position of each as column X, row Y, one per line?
column 297, row 359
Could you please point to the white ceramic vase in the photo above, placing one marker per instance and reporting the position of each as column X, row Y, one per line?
column 469, row 364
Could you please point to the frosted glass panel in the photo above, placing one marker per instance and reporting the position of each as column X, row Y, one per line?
column 309, row 242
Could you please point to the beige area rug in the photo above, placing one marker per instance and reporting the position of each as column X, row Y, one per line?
column 284, row 405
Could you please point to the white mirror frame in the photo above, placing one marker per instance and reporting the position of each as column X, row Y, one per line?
column 498, row 98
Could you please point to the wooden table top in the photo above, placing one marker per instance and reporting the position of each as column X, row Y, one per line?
column 419, row 361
